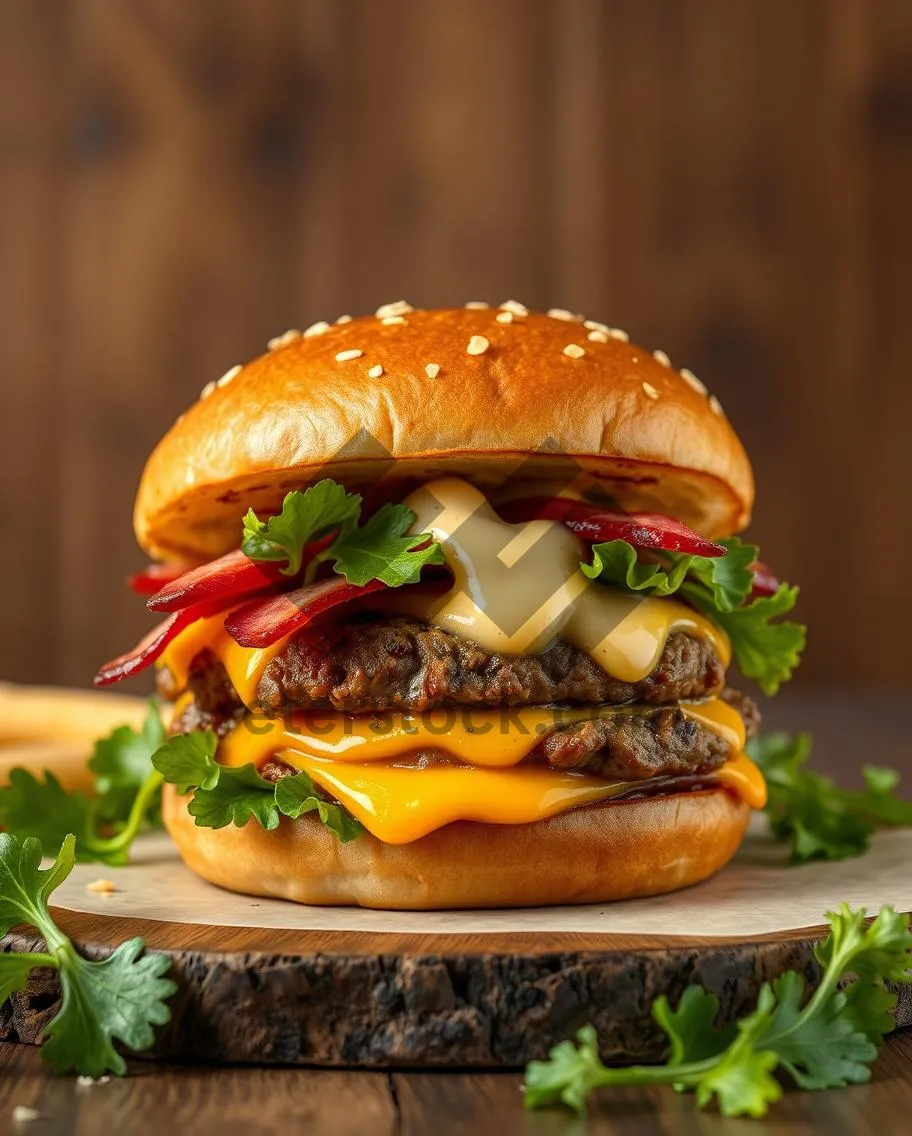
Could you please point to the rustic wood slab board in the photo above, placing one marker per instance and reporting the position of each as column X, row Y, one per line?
column 267, row 982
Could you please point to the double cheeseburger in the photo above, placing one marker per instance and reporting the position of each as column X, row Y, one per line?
column 450, row 599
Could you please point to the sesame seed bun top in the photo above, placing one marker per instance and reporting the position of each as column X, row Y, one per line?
column 474, row 392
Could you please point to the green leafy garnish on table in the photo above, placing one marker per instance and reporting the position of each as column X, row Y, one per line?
column 819, row 819
column 720, row 587
column 224, row 794
column 119, row 998
column 376, row 550
column 126, row 798
column 122, row 762
column 824, row 1041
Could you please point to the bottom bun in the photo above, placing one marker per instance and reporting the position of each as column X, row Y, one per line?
column 617, row 850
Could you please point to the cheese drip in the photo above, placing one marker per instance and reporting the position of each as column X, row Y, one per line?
column 400, row 805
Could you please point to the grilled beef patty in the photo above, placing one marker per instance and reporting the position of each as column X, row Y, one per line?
column 629, row 745
column 401, row 664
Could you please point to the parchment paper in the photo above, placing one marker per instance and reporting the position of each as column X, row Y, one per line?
column 757, row 893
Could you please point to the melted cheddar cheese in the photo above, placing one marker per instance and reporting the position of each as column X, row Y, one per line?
column 363, row 763
column 398, row 804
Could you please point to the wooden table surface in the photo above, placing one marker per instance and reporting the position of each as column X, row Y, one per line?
column 180, row 1099
column 157, row 1098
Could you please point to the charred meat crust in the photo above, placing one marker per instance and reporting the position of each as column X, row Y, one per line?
column 401, row 664
column 214, row 705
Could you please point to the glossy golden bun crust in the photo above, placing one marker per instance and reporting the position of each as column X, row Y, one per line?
column 298, row 413
column 588, row 855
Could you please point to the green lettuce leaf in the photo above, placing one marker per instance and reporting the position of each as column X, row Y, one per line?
column 121, row 763
column 720, row 587
column 188, row 760
column 617, row 562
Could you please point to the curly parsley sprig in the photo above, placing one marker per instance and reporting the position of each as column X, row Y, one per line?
column 119, row 998
column 827, row 1040
column 224, row 794
column 126, row 797
column 720, row 587
column 820, row 820
column 375, row 550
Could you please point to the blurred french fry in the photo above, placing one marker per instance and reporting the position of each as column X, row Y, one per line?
column 52, row 728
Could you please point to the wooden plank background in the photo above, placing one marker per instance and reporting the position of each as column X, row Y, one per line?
column 731, row 180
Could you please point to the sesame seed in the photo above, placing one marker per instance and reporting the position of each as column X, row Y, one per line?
column 594, row 325
column 476, row 305
column 344, row 319
column 661, row 357
column 375, row 372
column 396, row 308
column 515, row 307
column 318, row 328
column 432, row 370
column 574, row 351
column 597, row 337
column 715, row 406
column 101, row 887
column 347, row 356
column 391, row 320
column 22, row 1114
column 692, row 381
column 616, row 333
column 207, row 390
column 284, row 339
column 650, row 391
column 562, row 314
column 504, row 317
column 231, row 373
column 477, row 345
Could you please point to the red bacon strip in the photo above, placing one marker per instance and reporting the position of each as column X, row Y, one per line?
column 765, row 583
column 156, row 576
column 265, row 620
column 228, row 578
column 595, row 523
column 231, row 577
column 150, row 647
